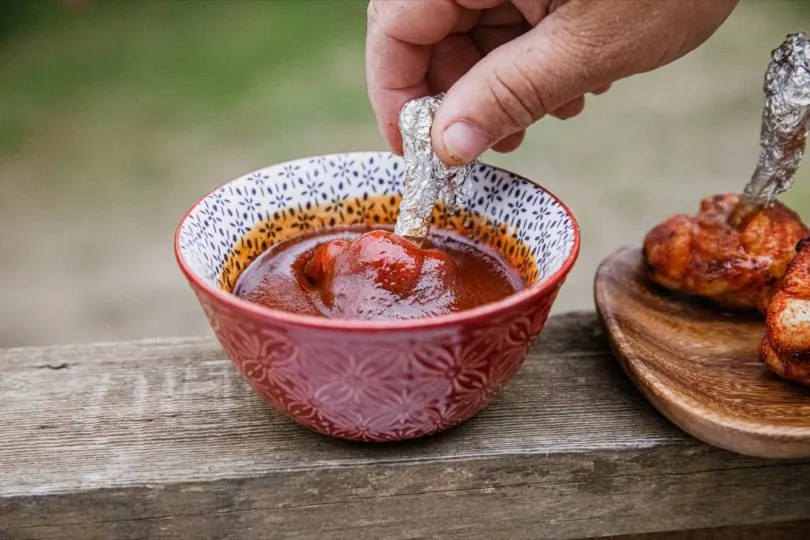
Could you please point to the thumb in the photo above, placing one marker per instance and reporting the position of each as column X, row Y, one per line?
column 513, row 87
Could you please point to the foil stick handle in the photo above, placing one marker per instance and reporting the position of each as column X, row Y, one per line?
column 427, row 178
column 785, row 120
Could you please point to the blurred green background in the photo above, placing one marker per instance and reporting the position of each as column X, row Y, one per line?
column 115, row 116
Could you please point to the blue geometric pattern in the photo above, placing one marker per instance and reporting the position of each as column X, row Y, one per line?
column 215, row 226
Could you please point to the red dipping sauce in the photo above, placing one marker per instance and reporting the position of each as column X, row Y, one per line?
column 366, row 272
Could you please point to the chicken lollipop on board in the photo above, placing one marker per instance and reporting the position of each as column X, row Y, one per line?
column 785, row 348
column 737, row 248
column 736, row 263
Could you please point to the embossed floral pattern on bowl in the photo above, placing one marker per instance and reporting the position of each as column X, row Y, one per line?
column 360, row 380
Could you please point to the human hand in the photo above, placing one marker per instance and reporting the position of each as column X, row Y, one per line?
column 507, row 63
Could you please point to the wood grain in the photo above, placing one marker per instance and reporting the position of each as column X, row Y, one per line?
column 700, row 367
column 162, row 439
column 797, row 530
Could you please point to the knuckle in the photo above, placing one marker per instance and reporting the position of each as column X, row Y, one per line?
column 373, row 12
column 515, row 114
column 517, row 97
column 600, row 44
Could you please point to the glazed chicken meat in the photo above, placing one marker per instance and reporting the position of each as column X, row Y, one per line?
column 786, row 346
column 749, row 251
column 730, row 253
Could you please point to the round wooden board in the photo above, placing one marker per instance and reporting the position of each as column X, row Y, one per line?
column 699, row 367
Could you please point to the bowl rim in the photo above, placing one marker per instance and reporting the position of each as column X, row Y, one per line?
column 527, row 295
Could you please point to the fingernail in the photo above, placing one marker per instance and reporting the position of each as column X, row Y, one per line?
column 464, row 141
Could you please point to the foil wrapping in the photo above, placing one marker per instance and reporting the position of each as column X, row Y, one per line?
column 785, row 120
column 427, row 178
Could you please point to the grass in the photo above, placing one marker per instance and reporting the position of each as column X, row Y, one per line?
column 163, row 63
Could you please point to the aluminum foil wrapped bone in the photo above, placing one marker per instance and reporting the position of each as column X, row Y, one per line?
column 785, row 120
column 427, row 178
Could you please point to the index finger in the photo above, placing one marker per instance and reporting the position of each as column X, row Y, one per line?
column 398, row 40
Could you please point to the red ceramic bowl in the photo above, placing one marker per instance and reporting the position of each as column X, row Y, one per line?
column 360, row 380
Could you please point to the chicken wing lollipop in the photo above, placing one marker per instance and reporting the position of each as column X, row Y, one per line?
column 371, row 273
column 730, row 253
column 785, row 348
column 738, row 247
column 388, row 275
column 380, row 275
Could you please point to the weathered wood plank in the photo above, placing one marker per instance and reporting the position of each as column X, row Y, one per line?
column 162, row 439
column 795, row 530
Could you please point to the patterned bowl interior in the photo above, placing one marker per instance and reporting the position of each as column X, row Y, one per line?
column 238, row 221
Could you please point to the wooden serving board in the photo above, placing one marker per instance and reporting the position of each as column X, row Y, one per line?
column 699, row 367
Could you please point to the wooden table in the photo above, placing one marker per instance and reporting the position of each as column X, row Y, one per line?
column 163, row 439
